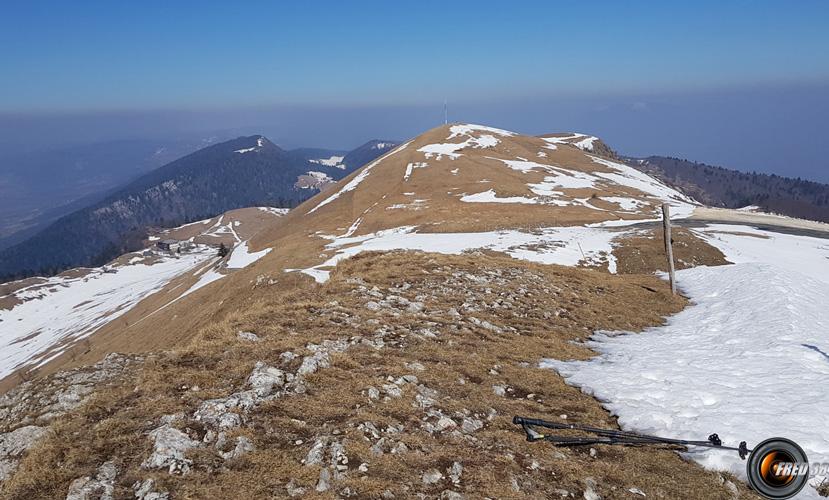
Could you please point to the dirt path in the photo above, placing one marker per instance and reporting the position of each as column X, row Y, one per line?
column 779, row 223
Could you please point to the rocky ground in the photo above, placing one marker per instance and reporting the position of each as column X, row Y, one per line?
column 398, row 378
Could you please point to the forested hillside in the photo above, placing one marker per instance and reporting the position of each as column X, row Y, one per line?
column 722, row 187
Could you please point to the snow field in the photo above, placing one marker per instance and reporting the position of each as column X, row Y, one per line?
column 748, row 359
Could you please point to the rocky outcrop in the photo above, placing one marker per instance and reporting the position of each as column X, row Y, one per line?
column 101, row 487
column 27, row 409
column 13, row 444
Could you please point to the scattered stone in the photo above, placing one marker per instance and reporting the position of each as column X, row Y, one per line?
column 316, row 453
column 294, row 490
column 593, row 453
column 99, row 488
column 219, row 412
column 392, row 390
column 590, row 487
column 325, row 480
column 243, row 445
column 415, row 307
column 373, row 393
column 311, row 364
column 249, row 336
column 169, row 450
column 264, row 378
column 432, row 476
column 426, row 397
column 372, row 306
column 363, row 467
column 471, row 425
column 339, row 459
column 637, row 491
column 378, row 448
column 146, row 491
column 451, row 495
column 455, row 472
column 399, row 449
column 287, row 357
column 499, row 390
column 370, row 429
column 445, row 423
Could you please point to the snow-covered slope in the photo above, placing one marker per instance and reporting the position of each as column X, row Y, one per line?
column 749, row 359
column 54, row 314
column 40, row 318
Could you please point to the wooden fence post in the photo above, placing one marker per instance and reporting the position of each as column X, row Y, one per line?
column 666, row 226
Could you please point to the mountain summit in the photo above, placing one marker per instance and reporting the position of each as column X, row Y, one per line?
column 474, row 180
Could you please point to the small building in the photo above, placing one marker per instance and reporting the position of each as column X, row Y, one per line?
column 168, row 245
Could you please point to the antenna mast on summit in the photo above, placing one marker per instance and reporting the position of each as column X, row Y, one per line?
column 445, row 113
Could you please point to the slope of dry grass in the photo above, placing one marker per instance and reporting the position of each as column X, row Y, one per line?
column 435, row 355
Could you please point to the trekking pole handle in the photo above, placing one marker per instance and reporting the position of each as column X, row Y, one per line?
column 527, row 421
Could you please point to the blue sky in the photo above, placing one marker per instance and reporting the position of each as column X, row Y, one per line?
column 254, row 65
column 140, row 55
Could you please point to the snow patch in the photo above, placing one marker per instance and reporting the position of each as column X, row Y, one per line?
column 410, row 168
column 450, row 149
column 626, row 204
column 243, row 257
column 491, row 197
column 468, row 128
column 208, row 277
column 562, row 245
column 586, row 144
column 331, row 161
column 750, row 351
column 275, row 211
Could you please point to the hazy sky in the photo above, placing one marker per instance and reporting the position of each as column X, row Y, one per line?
column 743, row 83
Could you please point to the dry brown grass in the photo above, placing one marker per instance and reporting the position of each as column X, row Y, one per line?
column 644, row 253
column 552, row 306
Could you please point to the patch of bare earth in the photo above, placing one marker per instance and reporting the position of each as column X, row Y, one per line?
column 644, row 252
column 398, row 378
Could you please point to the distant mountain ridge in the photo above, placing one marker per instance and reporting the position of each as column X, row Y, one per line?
column 38, row 187
column 722, row 187
column 247, row 171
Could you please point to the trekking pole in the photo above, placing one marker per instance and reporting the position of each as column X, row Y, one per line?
column 612, row 436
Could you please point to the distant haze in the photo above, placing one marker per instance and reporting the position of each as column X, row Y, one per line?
column 775, row 128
